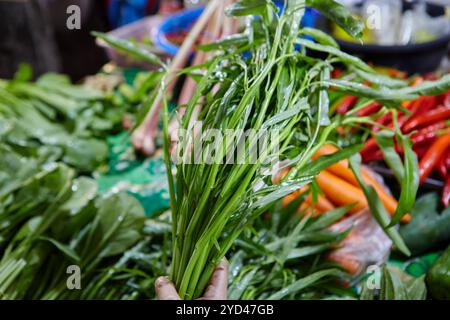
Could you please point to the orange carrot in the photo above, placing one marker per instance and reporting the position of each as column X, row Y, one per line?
column 280, row 175
column 342, row 170
column 341, row 192
column 306, row 208
column 350, row 264
column 325, row 150
column 322, row 204
column 289, row 198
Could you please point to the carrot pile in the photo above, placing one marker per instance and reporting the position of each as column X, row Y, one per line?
column 340, row 188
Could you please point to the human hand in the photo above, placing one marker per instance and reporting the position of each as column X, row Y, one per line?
column 216, row 289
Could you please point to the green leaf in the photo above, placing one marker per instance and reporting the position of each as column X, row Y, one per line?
column 320, row 36
column 129, row 47
column 280, row 191
column 380, row 79
column 385, row 140
column 376, row 207
column 366, row 293
column 429, row 228
column 24, row 73
column 379, row 94
column 428, row 88
column 237, row 289
column 53, row 82
column 86, row 154
column 304, row 283
column 324, row 101
column 416, row 288
column 305, row 251
column 323, row 162
column 392, row 287
column 397, row 285
column 327, row 219
column 66, row 250
column 247, row 7
column 84, row 190
column 410, row 182
column 120, row 220
column 344, row 57
column 235, row 40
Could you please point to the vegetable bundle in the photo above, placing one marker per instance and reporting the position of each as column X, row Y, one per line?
column 259, row 81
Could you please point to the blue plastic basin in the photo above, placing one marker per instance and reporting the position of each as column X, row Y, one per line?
column 184, row 19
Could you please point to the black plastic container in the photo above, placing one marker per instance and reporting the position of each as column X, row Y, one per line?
column 414, row 58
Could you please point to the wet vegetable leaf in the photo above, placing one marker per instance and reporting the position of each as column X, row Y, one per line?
column 376, row 207
column 340, row 15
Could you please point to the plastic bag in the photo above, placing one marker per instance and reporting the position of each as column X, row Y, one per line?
column 365, row 245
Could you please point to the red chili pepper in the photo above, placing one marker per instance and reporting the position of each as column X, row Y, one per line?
column 447, row 160
column 415, row 105
column 442, row 168
column 438, row 114
column 428, row 104
column 446, row 99
column 370, row 147
column 369, row 109
column 374, row 156
column 387, row 121
column 443, row 165
column 430, row 76
column 427, row 134
column 383, row 120
column 336, row 73
column 421, row 150
column 446, row 192
column 432, row 156
column 346, row 104
column 421, row 106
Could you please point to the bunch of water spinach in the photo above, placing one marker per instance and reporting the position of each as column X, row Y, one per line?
column 266, row 80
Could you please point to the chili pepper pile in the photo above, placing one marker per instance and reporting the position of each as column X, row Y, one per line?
column 427, row 121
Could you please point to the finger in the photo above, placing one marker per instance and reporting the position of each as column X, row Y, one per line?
column 165, row 290
column 217, row 288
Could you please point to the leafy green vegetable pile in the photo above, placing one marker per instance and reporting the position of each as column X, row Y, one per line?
column 281, row 256
column 50, row 220
column 56, row 120
column 393, row 284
